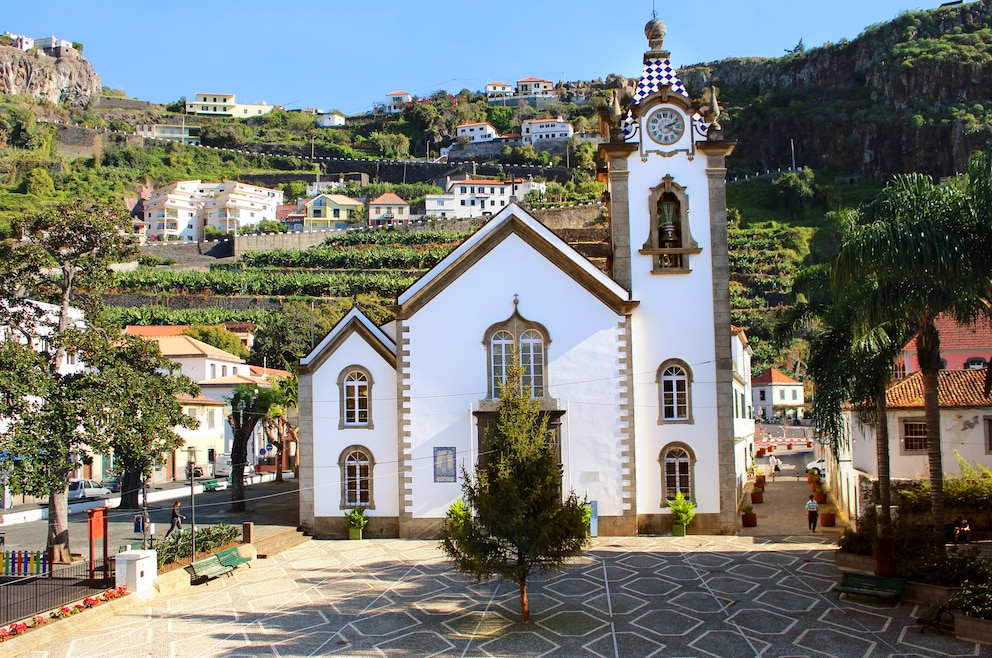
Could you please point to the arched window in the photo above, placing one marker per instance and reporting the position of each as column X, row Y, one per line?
column 529, row 341
column 501, row 355
column 676, row 471
column 355, row 385
column 356, row 465
column 675, row 392
column 975, row 363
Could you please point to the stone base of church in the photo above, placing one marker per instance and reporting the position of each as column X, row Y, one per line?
column 661, row 524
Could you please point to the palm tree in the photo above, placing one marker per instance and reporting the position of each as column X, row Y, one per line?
column 924, row 250
column 847, row 368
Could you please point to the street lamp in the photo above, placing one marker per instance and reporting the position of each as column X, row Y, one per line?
column 191, row 465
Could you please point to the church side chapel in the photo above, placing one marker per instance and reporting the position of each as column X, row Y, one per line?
column 638, row 370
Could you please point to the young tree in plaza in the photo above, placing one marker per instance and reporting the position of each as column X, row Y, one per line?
column 513, row 520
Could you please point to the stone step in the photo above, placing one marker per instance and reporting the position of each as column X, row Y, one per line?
column 279, row 541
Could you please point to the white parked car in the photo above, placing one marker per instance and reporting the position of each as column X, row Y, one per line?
column 819, row 464
column 80, row 489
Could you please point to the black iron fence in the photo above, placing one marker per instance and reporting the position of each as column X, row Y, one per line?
column 22, row 597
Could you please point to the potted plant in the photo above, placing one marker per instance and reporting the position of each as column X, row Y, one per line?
column 759, row 481
column 757, row 495
column 815, row 484
column 356, row 521
column 788, row 446
column 683, row 511
column 820, row 495
column 748, row 518
column 760, row 453
column 828, row 518
column 811, row 475
column 975, row 601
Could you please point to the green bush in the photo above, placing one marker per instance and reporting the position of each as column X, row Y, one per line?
column 974, row 599
column 178, row 546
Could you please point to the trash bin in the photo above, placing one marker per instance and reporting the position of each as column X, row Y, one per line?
column 139, row 525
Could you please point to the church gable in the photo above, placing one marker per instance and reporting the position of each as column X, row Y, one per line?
column 355, row 322
column 513, row 220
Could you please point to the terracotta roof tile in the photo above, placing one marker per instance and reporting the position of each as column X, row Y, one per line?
column 773, row 376
column 955, row 336
column 955, row 388
column 389, row 198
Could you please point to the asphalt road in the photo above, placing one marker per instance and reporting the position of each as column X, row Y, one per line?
column 264, row 500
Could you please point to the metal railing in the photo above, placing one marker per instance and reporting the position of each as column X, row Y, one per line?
column 22, row 597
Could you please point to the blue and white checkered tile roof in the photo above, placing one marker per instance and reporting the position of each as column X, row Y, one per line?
column 658, row 73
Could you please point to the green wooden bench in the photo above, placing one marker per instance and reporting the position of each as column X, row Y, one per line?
column 208, row 568
column 232, row 558
column 881, row 587
column 931, row 616
column 214, row 484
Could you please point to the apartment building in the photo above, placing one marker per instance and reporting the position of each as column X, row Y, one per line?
column 183, row 134
column 182, row 210
column 225, row 105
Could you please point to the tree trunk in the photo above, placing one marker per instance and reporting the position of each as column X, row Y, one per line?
column 58, row 525
column 928, row 351
column 524, row 605
column 130, row 489
column 884, row 545
column 239, row 456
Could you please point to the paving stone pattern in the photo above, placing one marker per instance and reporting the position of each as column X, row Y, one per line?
column 633, row 596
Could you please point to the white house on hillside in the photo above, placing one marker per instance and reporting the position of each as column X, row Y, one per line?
column 497, row 89
column 633, row 368
column 476, row 197
column 331, row 120
column 776, row 395
column 388, row 209
column 533, row 131
column 225, row 105
column 477, row 132
column 535, row 87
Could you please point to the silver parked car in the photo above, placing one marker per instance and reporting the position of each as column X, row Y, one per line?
column 80, row 489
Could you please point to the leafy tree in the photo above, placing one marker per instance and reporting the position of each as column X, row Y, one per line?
column 391, row 145
column 295, row 189
column 64, row 257
column 250, row 405
column 279, row 429
column 286, row 336
column 179, row 107
column 218, row 337
column 796, row 189
column 138, row 427
column 512, row 520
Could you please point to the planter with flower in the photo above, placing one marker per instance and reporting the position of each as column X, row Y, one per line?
column 828, row 518
column 683, row 511
column 748, row 518
column 22, row 627
column 356, row 521
column 757, row 495
column 975, row 601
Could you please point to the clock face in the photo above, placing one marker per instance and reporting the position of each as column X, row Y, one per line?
column 666, row 126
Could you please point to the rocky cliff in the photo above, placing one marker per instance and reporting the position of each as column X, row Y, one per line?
column 68, row 79
column 908, row 95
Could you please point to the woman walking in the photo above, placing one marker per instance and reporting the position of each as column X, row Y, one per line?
column 812, row 512
column 177, row 520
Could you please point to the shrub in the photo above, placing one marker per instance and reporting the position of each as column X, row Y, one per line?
column 356, row 518
column 177, row 546
column 974, row 599
column 956, row 568
column 683, row 509
column 859, row 541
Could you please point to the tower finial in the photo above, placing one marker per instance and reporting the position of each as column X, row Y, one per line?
column 516, row 300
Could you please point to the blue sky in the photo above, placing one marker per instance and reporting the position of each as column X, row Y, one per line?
column 347, row 55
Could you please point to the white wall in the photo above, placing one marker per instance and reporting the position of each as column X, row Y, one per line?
column 330, row 441
column 449, row 365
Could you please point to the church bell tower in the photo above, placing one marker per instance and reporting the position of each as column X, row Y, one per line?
column 666, row 172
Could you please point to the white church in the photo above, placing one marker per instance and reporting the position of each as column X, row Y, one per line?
column 645, row 382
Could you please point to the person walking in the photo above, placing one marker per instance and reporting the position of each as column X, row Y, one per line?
column 177, row 520
column 812, row 512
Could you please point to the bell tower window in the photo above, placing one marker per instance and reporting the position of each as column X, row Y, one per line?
column 669, row 242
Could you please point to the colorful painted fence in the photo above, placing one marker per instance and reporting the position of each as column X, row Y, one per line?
column 23, row 563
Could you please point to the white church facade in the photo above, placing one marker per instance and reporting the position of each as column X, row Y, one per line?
column 638, row 368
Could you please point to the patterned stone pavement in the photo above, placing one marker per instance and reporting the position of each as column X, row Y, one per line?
column 632, row 596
